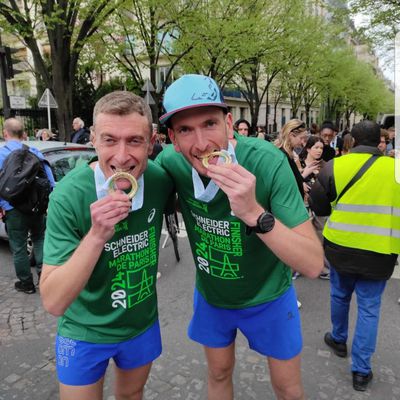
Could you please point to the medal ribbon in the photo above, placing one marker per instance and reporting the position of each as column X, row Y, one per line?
column 206, row 194
column 102, row 188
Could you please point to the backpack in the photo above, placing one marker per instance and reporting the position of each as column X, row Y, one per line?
column 24, row 183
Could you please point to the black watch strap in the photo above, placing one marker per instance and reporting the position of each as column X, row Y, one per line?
column 265, row 223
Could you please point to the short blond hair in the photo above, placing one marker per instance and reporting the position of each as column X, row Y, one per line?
column 122, row 102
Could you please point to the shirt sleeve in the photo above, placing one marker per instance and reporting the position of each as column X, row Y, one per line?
column 285, row 200
column 62, row 236
column 49, row 174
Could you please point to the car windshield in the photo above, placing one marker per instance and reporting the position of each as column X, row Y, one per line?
column 63, row 161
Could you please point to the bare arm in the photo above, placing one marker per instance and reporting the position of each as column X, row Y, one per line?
column 60, row 285
column 298, row 247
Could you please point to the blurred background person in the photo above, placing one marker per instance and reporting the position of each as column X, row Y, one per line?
column 314, row 129
column 310, row 159
column 261, row 134
column 391, row 145
column 80, row 134
column 243, row 127
column 382, row 146
column 291, row 135
column 311, row 164
column 157, row 148
column 333, row 145
column 46, row 135
column 348, row 143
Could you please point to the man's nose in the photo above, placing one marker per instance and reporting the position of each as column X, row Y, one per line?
column 201, row 141
column 122, row 152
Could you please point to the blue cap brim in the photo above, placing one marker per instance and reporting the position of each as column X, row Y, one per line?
column 164, row 118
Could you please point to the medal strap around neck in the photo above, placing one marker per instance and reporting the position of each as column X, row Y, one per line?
column 102, row 188
column 206, row 194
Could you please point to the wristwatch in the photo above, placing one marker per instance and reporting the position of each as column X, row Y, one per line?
column 265, row 223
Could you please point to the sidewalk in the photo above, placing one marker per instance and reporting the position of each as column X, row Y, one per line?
column 27, row 335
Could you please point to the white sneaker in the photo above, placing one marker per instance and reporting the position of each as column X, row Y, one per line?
column 298, row 304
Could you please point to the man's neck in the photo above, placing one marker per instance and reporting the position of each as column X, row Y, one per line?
column 8, row 139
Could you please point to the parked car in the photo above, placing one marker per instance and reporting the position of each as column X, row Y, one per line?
column 63, row 157
column 386, row 121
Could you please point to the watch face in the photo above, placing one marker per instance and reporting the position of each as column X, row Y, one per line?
column 266, row 222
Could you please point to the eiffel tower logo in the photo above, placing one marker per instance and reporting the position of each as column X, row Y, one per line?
column 143, row 289
column 227, row 270
column 145, row 286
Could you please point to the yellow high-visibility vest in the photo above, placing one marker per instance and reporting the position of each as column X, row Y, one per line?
column 367, row 217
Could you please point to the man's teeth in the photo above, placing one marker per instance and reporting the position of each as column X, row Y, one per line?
column 122, row 170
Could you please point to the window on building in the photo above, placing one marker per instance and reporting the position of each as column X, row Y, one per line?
column 283, row 118
column 242, row 112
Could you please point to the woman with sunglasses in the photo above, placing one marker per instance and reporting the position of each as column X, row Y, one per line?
column 291, row 136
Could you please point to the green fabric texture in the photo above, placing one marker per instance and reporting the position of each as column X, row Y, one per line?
column 235, row 270
column 119, row 301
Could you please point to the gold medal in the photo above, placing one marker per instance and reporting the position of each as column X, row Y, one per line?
column 225, row 155
column 123, row 175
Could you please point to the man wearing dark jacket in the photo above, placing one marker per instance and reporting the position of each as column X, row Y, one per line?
column 333, row 144
column 80, row 133
column 361, row 242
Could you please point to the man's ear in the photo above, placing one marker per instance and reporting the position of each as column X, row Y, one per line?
column 172, row 136
column 229, row 125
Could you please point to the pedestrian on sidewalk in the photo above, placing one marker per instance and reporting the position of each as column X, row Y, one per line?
column 101, row 256
column 21, row 225
column 247, row 227
column 361, row 241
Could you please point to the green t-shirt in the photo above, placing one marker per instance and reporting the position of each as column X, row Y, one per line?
column 119, row 301
column 235, row 270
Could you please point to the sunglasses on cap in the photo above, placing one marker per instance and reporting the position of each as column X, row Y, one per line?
column 296, row 130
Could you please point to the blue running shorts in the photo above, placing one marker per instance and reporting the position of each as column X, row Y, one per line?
column 82, row 363
column 273, row 329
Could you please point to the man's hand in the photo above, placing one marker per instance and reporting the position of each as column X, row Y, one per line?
column 107, row 212
column 240, row 187
column 2, row 213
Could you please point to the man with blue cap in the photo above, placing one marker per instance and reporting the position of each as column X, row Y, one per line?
column 247, row 226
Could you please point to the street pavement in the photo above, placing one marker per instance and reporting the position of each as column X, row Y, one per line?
column 27, row 334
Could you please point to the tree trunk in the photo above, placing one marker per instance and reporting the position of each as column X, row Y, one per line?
column 62, row 89
column 307, row 108
column 266, row 111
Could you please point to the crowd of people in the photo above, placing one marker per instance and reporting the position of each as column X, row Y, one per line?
column 250, row 208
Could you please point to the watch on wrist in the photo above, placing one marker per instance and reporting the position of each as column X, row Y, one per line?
column 265, row 223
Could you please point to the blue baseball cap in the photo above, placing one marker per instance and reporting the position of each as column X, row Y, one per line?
column 191, row 91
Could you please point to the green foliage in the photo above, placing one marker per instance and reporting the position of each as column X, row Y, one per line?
column 383, row 17
column 250, row 45
column 62, row 27
column 223, row 36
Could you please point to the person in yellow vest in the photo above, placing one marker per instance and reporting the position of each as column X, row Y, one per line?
column 361, row 242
